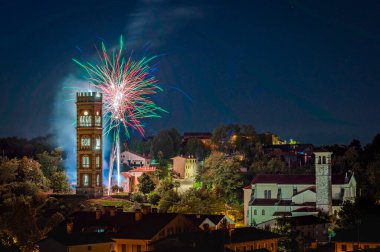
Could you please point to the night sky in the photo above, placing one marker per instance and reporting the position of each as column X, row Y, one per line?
column 301, row 69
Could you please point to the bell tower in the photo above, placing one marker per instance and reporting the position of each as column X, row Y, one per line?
column 323, row 181
column 89, row 144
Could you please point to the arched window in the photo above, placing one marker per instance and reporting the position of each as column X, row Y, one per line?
column 85, row 161
column 319, row 160
column 97, row 143
column 269, row 194
column 85, row 142
column 255, row 212
column 324, row 160
column 85, row 180
column 85, row 119
column 263, row 212
column 265, row 194
column 98, row 119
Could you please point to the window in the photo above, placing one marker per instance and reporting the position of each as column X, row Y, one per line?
column 319, row 160
column 255, row 212
column 85, row 142
column 279, row 193
column 86, row 181
column 85, row 161
column 294, row 190
column 356, row 247
column 97, row 179
column 85, row 119
column 97, row 161
column 269, row 194
column 263, row 212
column 97, row 143
column 344, row 247
column 123, row 248
column 89, row 247
column 138, row 247
column 324, row 160
column 265, row 194
column 98, row 119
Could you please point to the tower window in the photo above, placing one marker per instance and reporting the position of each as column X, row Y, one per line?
column 98, row 119
column 85, row 142
column 97, row 161
column 324, row 160
column 97, row 143
column 85, row 119
column 319, row 160
column 85, row 161
column 97, row 179
column 86, row 180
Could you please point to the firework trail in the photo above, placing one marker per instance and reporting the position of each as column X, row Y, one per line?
column 127, row 86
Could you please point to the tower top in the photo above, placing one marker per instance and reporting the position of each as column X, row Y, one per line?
column 89, row 97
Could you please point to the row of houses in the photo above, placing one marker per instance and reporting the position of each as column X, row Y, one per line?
column 111, row 229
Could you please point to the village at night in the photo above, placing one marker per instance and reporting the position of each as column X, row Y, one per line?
column 155, row 125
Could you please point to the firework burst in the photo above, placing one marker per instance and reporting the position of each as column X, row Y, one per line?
column 127, row 86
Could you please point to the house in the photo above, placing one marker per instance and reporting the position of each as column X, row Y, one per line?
column 111, row 229
column 362, row 237
column 211, row 221
column 185, row 167
column 221, row 240
column 271, row 196
column 133, row 159
column 131, row 178
column 249, row 239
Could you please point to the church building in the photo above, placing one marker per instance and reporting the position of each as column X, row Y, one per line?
column 271, row 196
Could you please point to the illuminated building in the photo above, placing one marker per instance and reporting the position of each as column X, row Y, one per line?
column 271, row 196
column 89, row 144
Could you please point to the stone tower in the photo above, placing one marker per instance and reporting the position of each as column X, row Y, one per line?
column 89, row 144
column 323, row 180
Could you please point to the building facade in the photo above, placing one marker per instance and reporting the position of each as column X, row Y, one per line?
column 185, row 167
column 271, row 196
column 89, row 144
column 132, row 159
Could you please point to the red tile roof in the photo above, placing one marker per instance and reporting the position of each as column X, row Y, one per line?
column 293, row 179
column 144, row 169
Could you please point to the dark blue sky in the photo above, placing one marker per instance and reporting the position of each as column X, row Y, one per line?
column 300, row 69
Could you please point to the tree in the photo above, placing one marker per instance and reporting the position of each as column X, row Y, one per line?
column 138, row 197
column 153, row 198
column 58, row 182
column 8, row 170
column 168, row 142
column 195, row 147
column 167, row 200
column 223, row 175
column 146, row 184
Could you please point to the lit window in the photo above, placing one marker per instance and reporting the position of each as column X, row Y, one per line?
column 98, row 119
column 97, row 143
column 97, row 179
column 86, row 181
column 85, row 141
column 85, row 161
column 85, row 120
column 97, row 161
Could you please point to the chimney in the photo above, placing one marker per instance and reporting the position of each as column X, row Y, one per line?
column 70, row 226
column 146, row 209
column 138, row 215
column 98, row 214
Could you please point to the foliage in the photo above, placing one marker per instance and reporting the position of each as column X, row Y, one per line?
column 222, row 174
column 195, row 147
column 153, row 198
column 168, row 142
column 269, row 165
column 146, row 184
column 167, row 200
column 137, row 197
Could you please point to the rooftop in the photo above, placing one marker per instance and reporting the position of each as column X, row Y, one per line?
column 293, row 179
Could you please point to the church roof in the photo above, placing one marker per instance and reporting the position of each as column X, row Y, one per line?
column 293, row 179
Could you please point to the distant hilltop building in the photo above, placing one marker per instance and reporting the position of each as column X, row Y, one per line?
column 271, row 196
column 185, row 166
column 89, row 144
column 133, row 159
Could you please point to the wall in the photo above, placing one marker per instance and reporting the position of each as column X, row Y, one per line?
column 270, row 245
column 179, row 166
column 350, row 246
column 99, row 247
